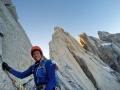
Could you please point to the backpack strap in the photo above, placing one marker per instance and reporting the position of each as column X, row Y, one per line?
column 42, row 65
column 33, row 68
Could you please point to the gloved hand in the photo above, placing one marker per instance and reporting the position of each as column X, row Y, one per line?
column 5, row 66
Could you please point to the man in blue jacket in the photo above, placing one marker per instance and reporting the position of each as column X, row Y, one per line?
column 43, row 77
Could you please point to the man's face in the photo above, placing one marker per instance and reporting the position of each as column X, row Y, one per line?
column 37, row 56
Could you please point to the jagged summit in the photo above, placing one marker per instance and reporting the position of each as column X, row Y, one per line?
column 82, row 66
column 87, row 64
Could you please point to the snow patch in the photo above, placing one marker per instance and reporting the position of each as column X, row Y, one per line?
column 105, row 44
column 107, row 68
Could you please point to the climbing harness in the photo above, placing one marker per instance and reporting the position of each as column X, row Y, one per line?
column 17, row 84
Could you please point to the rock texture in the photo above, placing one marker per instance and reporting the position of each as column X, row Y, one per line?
column 14, row 46
column 90, row 64
column 78, row 68
column 107, row 47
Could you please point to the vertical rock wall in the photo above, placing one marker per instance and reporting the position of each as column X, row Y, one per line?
column 107, row 47
column 14, row 44
column 81, row 67
column 78, row 68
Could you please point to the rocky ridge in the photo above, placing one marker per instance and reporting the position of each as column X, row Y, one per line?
column 87, row 64
column 81, row 66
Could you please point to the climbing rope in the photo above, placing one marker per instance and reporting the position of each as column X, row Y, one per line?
column 17, row 84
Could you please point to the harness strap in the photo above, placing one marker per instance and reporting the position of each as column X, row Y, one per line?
column 41, row 86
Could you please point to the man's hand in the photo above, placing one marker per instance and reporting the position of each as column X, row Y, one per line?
column 5, row 66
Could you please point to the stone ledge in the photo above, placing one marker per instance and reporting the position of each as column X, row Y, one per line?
column 12, row 11
column 7, row 2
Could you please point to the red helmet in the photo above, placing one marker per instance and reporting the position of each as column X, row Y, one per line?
column 36, row 48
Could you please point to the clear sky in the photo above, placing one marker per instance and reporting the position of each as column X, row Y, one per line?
column 39, row 17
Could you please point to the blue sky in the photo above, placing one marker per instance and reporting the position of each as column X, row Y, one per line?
column 39, row 17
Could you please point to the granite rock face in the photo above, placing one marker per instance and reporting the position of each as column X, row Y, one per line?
column 107, row 47
column 14, row 47
column 80, row 69
column 86, row 64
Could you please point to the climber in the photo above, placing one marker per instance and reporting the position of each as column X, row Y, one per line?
column 44, row 79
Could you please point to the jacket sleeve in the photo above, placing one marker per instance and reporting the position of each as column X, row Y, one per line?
column 21, row 74
column 50, row 75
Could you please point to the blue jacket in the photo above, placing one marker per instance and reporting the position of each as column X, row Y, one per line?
column 41, row 75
